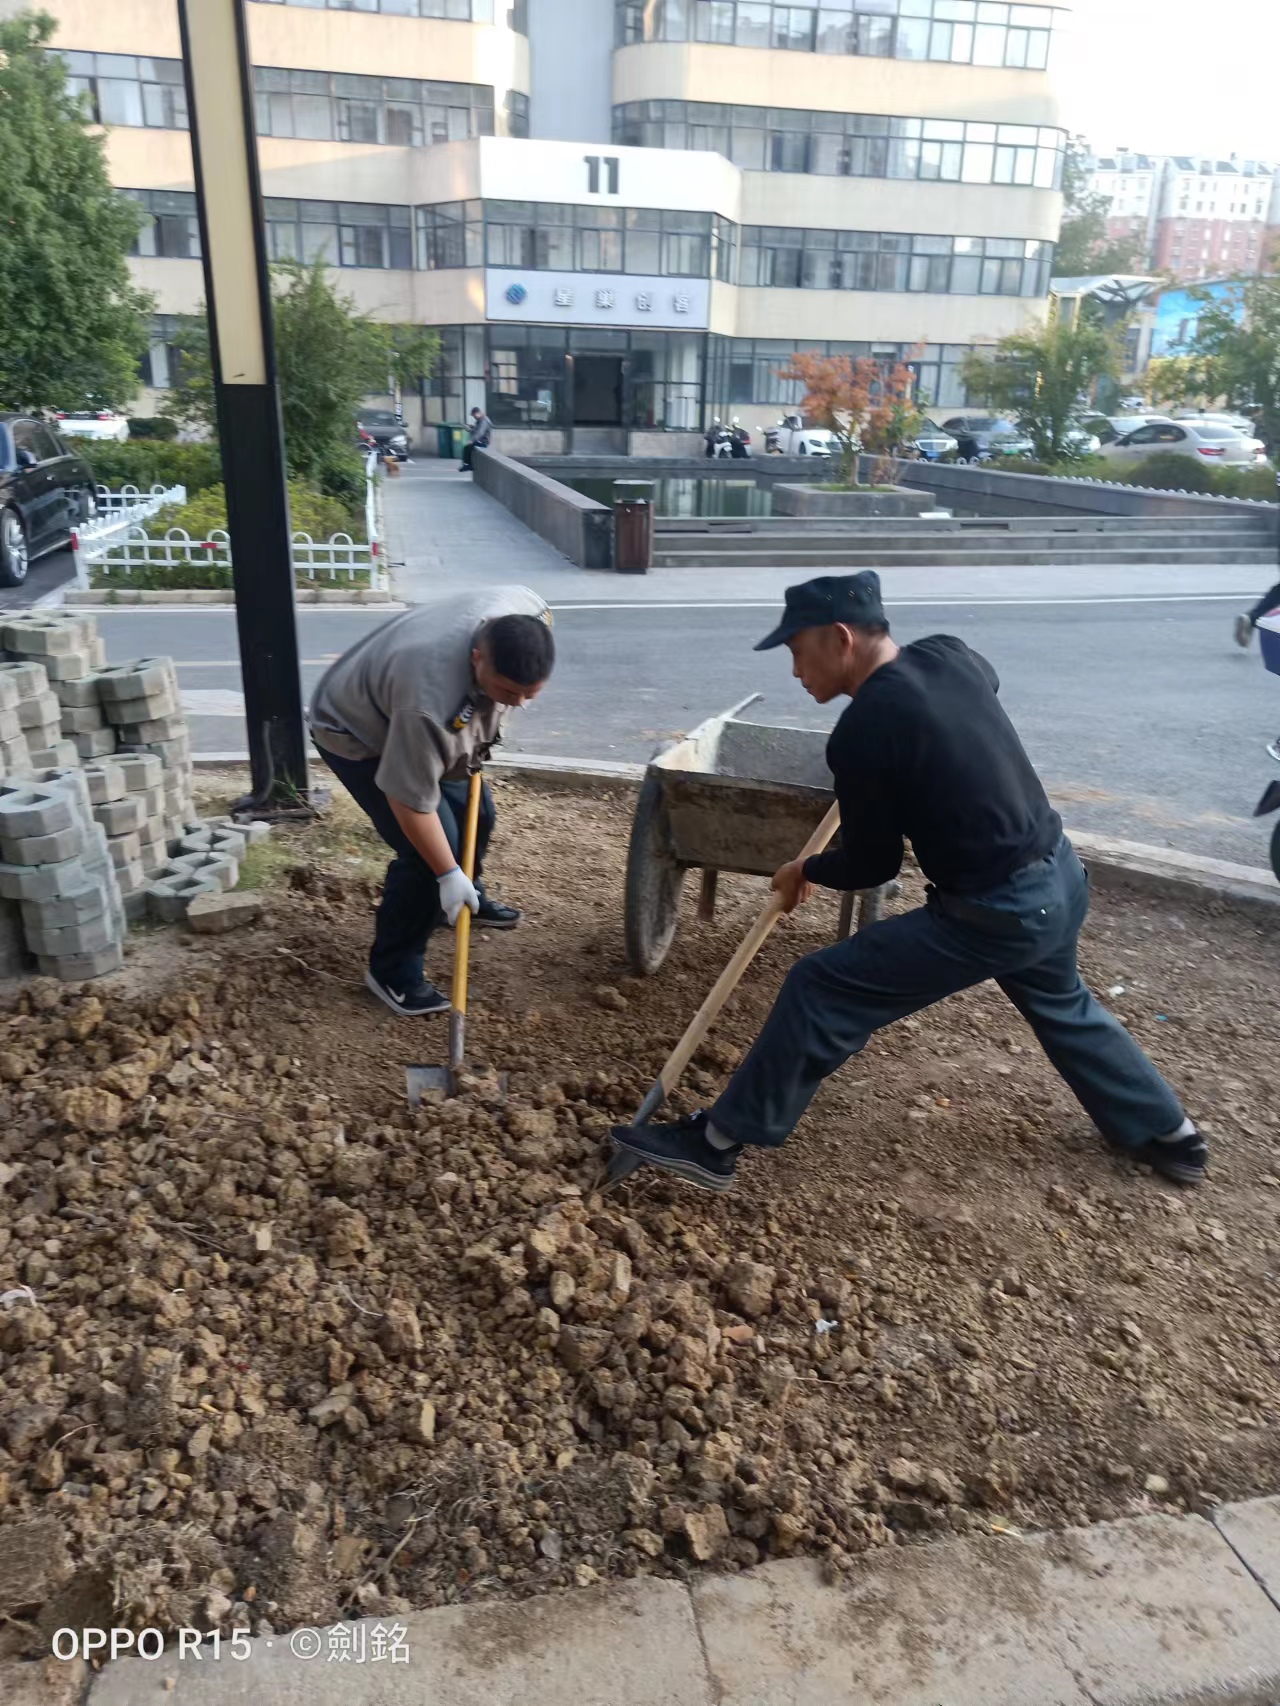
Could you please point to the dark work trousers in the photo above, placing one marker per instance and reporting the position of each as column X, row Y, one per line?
column 410, row 907
column 468, row 452
column 1023, row 934
column 1268, row 602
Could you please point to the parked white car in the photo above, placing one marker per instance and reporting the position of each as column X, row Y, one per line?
column 1203, row 441
column 94, row 423
column 1238, row 423
column 794, row 438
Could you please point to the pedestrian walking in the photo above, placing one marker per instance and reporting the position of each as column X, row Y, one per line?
column 925, row 751
column 1247, row 622
column 402, row 719
column 481, row 431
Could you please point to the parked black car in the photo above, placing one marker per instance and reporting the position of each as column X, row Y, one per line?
column 45, row 491
column 387, row 430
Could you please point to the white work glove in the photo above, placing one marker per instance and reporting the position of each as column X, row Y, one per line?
column 456, row 891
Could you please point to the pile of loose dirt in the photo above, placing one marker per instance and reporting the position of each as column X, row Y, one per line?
column 274, row 1348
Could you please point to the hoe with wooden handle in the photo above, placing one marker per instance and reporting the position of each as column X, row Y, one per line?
column 620, row 1164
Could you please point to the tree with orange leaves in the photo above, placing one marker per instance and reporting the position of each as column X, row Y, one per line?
column 856, row 400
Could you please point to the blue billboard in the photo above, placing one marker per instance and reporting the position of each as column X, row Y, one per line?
column 1178, row 313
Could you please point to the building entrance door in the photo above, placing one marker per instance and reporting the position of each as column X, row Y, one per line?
column 597, row 390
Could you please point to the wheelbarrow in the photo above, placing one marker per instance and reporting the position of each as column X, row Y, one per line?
column 730, row 796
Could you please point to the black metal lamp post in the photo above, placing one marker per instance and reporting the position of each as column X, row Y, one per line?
column 219, row 82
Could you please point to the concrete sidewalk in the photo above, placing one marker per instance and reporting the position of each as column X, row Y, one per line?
column 444, row 535
column 1154, row 1611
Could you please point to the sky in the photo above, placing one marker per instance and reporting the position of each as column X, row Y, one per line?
column 1173, row 76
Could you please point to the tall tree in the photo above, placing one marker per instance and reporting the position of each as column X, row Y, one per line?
column 1040, row 377
column 73, row 323
column 864, row 405
column 1236, row 344
column 1084, row 245
column 329, row 357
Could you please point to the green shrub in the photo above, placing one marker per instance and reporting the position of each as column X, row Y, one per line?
column 1169, row 472
column 148, row 462
column 1247, row 483
column 340, row 475
column 310, row 512
column 152, row 426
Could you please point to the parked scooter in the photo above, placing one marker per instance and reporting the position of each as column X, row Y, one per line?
column 719, row 440
column 1269, row 637
column 772, row 445
column 739, row 442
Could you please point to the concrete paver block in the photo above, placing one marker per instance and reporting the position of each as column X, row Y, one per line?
column 35, row 811
column 94, row 743
column 10, row 725
column 57, row 755
column 121, row 817
column 157, row 732
column 41, row 882
column 1142, row 1613
column 15, row 755
column 40, row 710
column 132, row 878
column 78, row 694
column 633, row 1644
column 9, row 694
column 154, row 857
column 1252, row 1531
column 42, row 849
column 135, row 680
column 106, row 779
column 215, row 914
column 90, row 936
column 171, row 892
column 35, row 639
column 90, row 899
column 141, row 770
column 124, row 849
column 82, row 719
column 220, row 867
column 76, row 968
column 73, row 666
column 166, row 703
column 98, row 650
column 30, row 679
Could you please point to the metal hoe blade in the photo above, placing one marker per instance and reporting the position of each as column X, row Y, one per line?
column 434, row 1083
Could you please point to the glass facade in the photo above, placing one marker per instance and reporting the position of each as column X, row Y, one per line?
column 559, row 237
column 957, row 32
column 160, row 367
column 857, row 145
column 398, row 111
column 745, row 371
column 329, row 106
column 343, row 233
column 515, row 16
column 787, row 257
column 531, row 374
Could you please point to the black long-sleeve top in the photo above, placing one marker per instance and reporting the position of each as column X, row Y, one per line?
column 924, row 751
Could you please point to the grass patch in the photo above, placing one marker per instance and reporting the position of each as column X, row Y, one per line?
column 340, row 841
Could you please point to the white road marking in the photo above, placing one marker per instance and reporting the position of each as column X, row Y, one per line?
column 212, row 702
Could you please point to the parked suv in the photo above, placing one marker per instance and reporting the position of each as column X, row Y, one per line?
column 45, row 491
column 387, row 430
column 980, row 438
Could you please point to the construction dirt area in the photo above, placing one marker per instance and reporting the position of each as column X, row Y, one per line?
column 275, row 1348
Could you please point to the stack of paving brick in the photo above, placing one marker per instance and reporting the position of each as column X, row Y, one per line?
column 55, row 862
column 62, row 721
column 142, row 703
column 206, row 860
column 128, row 805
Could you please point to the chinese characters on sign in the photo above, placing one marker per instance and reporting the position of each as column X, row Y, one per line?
column 644, row 301
column 564, row 299
column 605, row 298
column 680, row 302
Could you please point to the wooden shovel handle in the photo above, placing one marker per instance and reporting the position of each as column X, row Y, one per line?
column 462, row 943
column 730, row 977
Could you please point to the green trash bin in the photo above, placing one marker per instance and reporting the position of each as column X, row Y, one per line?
column 450, row 438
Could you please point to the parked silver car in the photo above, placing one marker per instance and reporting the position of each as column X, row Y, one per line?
column 933, row 443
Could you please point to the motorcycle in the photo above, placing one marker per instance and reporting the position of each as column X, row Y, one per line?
column 739, row 442
column 1269, row 637
column 772, row 445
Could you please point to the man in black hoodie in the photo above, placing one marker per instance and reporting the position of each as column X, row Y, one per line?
column 924, row 752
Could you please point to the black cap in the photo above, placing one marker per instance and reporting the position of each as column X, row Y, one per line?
column 831, row 598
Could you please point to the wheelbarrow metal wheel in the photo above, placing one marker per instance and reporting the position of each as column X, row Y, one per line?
column 655, row 878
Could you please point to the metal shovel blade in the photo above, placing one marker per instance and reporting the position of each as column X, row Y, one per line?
column 438, row 1083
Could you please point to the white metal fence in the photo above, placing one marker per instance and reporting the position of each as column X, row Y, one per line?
column 115, row 543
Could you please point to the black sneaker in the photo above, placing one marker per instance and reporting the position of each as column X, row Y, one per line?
column 409, row 1003
column 681, row 1149
column 495, row 916
column 1185, row 1160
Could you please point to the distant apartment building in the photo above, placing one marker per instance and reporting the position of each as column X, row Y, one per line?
column 1195, row 218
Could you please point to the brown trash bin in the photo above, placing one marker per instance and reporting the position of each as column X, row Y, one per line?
column 633, row 526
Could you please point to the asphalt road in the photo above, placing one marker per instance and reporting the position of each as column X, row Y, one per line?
column 1144, row 719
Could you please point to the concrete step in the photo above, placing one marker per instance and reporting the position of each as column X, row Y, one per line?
column 730, row 546
column 1108, row 526
column 839, row 554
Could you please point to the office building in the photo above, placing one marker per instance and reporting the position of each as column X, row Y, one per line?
column 1196, row 218
column 623, row 218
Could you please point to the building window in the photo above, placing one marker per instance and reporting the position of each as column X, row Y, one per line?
column 551, row 237
column 961, row 32
column 450, row 234
column 517, row 113
column 342, row 234
column 122, row 88
column 398, row 111
column 786, row 257
column 859, row 145
column 746, row 372
column 516, row 16
column 171, row 227
column 161, row 367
